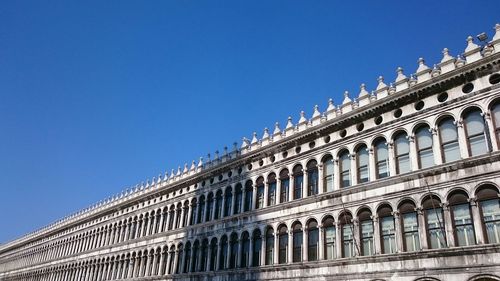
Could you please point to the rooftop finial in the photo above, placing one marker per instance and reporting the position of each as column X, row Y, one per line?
column 302, row 117
column 497, row 33
column 362, row 90
column 400, row 75
column 254, row 138
column 381, row 83
column 277, row 129
column 471, row 46
column 289, row 123
column 421, row 65
column 446, row 55
column 266, row 133
column 316, row 112
column 347, row 100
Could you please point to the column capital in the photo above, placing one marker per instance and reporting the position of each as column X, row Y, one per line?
column 395, row 213
column 419, row 210
column 473, row 201
column 445, row 206
column 459, row 123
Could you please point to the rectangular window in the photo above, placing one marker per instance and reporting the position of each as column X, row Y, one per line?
column 367, row 237
column 435, row 228
column 347, row 240
column 330, row 237
column 387, row 230
column 285, row 185
column 464, row 231
column 260, row 197
column 410, row 232
column 491, row 217
column 297, row 187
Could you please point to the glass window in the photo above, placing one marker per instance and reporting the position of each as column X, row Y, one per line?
column 285, row 186
column 312, row 178
column 213, row 255
column 223, row 252
column 269, row 246
column 366, row 231
column 388, row 231
column 491, row 218
column 172, row 259
column 345, row 169
column 271, row 193
column 239, row 199
column 170, row 219
column 347, row 240
column 449, row 140
column 424, row 147
column 194, row 264
column 328, row 172
column 229, row 201
column 474, row 128
column 201, row 209
column 218, row 205
column 463, row 228
column 260, row 196
column 248, row 195
column 381, row 158
column 233, row 250
column 435, row 223
column 297, row 242
column 283, row 245
column 330, row 236
column 298, row 180
column 194, row 212
column 362, row 159
column 180, row 256
column 185, row 213
column 178, row 216
column 257, row 245
column 312, row 241
column 409, row 222
column 187, row 257
column 402, row 149
column 495, row 112
column 210, row 207
column 245, row 255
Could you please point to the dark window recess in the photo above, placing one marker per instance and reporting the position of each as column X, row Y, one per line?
column 327, row 139
column 343, row 133
column 378, row 120
column 443, row 97
column 398, row 113
column 360, row 127
column 419, row 105
column 494, row 79
column 467, row 88
column 312, row 144
column 298, row 149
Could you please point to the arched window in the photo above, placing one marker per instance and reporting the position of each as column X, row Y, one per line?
column 157, row 224
column 366, row 232
column 490, row 212
column 248, row 195
column 213, row 254
column 204, row 255
column 285, row 185
column 362, row 160
column 435, row 223
column 196, row 249
column 345, row 168
column 402, row 151
column 423, row 137
column 133, row 228
column 201, row 209
column 185, row 213
column 257, row 246
column 298, row 181
column 218, row 205
column 328, row 172
column 144, row 230
column 297, row 242
column 312, row 240
column 409, row 222
column 312, row 178
column 347, row 228
column 239, row 199
column 179, row 216
column 229, row 201
column 269, row 246
column 474, row 128
column 495, row 116
column 381, row 158
column 283, row 244
column 180, row 255
column 260, row 193
column 329, row 239
column 223, row 252
column 387, row 229
column 210, row 206
column 449, row 140
column 271, row 192
column 245, row 249
column 194, row 211
column 172, row 259
column 463, row 228
column 171, row 218
column 233, row 250
column 187, row 257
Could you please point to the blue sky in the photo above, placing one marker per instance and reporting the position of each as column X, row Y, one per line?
column 96, row 96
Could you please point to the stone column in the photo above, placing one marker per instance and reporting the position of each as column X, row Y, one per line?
column 162, row 219
column 233, row 201
column 399, row 232
column 276, row 248
column 448, row 225
column 422, row 228
column 263, row 249
column 131, row 264
column 206, row 207
column 266, row 194
column 336, row 175
column 254, row 197
column 338, row 239
column 305, row 243
column 321, row 187
column 141, row 266
column 223, row 207
column 462, row 139
column 199, row 265
column 155, row 261
column 190, row 213
column 278, row 190
column 214, row 204
column 354, row 169
column 413, row 153
column 357, row 237
column 243, row 198
column 148, row 227
column 174, row 213
column 491, row 132
column 250, row 259
column 377, row 243
column 321, row 246
column 209, row 256
column 436, row 147
column 240, row 253
column 228, row 253
column 155, row 221
column 305, row 183
column 137, row 228
column 392, row 158
column 164, row 269
column 219, row 251
column 176, row 261
column 372, row 163
column 477, row 220
column 181, row 214
column 291, row 184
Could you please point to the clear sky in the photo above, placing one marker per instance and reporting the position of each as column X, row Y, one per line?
column 97, row 96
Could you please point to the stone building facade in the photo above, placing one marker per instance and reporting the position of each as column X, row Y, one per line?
column 399, row 184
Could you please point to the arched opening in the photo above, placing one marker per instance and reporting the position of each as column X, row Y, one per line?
column 298, row 181
column 402, row 152
column 487, row 195
column 269, row 246
column 312, row 240
column 409, row 223
column 435, row 224
column 475, row 130
column 257, row 246
column 283, row 244
column 312, row 178
column 423, row 139
column 345, row 168
column 298, row 241
column 329, row 238
column 363, row 164
column 271, row 192
column 239, row 199
column 448, row 137
column 387, row 229
column 463, row 228
column 366, row 232
column 285, row 185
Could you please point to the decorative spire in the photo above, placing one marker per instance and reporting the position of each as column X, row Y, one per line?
column 362, row 91
column 381, row 84
column 193, row 165
column 435, row 71
column 347, row 100
column 200, row 162
column 185, row 168
column 421, row 66
column 497, row 32
column 244, row 143
column 254, row 138
column 289, row 123
column 266, row 133
column 446, row 55
column 471, row 46
column 331, row 106
column 178, row 171
column 316, row 112
column 302, row 117
column 277, row 130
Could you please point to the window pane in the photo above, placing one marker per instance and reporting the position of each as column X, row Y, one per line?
column 462, row 220
column 477, row 145
column 272, row 194
column 285, row 183
column 491, row 217
column 410, row 230
column 448, row 131
column 312, row 243
column 367, row 237
column 387, row 229
column 363, row 164
column 298, row 181
column 347, row 240
column 474, row 123
column 297, row 246
column 451, row 152
column 426, row 158
column 404, row 164
column 435, row 225
column 330, row 242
